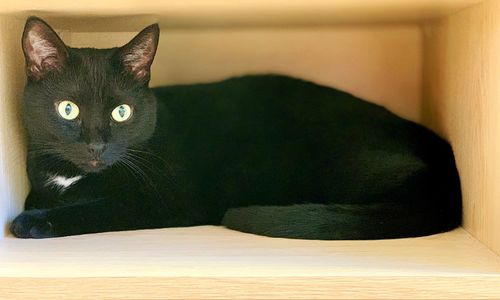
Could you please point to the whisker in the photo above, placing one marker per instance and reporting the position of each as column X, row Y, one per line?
column 133, row 164
column 155, row 160
column 161, row 170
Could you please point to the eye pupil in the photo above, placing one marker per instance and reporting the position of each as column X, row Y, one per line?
column 121, row 111
column 68, row 109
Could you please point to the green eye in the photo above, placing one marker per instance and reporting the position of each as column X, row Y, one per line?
column 121, row 113
column 68, row 110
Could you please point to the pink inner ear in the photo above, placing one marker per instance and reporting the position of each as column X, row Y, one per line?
column 41, row 52
column 138, row 58
column 142, row 73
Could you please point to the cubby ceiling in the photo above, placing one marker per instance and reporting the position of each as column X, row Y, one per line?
column 108, row 15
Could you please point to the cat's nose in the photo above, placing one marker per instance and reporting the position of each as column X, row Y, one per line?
column 96, row 149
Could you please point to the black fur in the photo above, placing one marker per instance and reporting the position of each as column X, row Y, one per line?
column 265, row 154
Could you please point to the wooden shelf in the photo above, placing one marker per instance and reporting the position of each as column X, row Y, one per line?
column 110, row 15
column 214, row 262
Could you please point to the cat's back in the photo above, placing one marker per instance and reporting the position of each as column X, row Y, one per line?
column 270, row 96
column 269, row 136
column 280, row 106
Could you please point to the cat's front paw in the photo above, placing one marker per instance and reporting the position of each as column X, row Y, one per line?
column 32, row 224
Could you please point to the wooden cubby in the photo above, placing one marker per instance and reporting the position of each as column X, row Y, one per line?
column 436, row 62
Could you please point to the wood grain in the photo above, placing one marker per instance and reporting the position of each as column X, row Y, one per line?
column 221, row 13
column 461, row 92
column 252, row 288
column 389, row 74
column 13, row 179
column 212, row 262
column 218, row 252
column 461, row 101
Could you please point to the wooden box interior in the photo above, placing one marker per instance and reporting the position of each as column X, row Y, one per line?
column 436, row 62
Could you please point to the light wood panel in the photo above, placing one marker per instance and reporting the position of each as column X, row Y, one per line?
column 188, row 13
column 480, row 287
column 388, row 74
column 213, row 262
column 462, row 102
column 210, row 251
column 13, row 181
column 461, row 93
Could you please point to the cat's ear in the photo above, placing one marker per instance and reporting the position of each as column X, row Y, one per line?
column 137, row 56
column 43, row 49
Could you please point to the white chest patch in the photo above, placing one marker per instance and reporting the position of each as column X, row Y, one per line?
column 61, row 182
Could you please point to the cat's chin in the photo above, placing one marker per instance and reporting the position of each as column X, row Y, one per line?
column 87, row 168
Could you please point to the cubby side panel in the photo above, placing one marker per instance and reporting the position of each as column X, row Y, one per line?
column 13, row 180
column 462, row 101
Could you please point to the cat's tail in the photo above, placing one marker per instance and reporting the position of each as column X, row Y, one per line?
column 340, row 221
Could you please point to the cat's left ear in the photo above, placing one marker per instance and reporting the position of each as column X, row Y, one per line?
column 137, row 56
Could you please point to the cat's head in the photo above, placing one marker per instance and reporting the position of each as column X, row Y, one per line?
column 87, row 106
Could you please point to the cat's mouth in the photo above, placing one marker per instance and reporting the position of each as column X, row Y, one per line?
column 93, row 163
column 93, row 166
column 96, row 162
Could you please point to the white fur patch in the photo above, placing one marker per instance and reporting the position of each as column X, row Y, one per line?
column 61, row 182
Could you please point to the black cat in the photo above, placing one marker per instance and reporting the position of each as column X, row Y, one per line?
column 270, row 155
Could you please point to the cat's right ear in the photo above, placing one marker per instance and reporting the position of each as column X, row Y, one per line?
column 43, row 49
